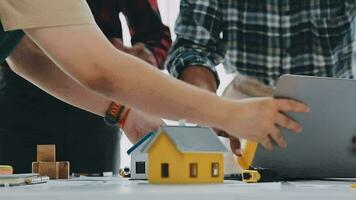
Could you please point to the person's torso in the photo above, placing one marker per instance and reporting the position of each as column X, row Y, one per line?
column 269, row 38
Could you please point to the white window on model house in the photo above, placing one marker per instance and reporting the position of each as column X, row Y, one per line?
column 215, row 169
column 140, row 167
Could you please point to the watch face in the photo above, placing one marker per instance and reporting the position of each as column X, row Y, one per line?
column 113, row 114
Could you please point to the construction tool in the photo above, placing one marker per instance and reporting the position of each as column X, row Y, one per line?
column 260, row 175
column 37, row 180
column 248, row 154
column 254, row 175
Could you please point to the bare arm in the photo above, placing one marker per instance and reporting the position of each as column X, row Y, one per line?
column 29, row 62
column 121, row 77
column 200, row 77
column 203, row 78
column 101, row 68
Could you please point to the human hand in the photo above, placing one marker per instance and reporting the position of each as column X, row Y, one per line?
column 138, row 124
column 138, row 50
column 235, row 144
column 259, row 119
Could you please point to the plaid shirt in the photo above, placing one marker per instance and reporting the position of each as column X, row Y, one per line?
column 143, row 19
column 266, row 38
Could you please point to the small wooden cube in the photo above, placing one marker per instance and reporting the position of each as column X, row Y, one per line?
column 35, row 167
column 46, row 153
column 49, row 169
column 63, row 170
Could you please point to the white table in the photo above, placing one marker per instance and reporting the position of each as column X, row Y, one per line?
column 109, row 188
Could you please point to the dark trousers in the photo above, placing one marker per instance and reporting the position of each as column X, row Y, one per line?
column 29, row 116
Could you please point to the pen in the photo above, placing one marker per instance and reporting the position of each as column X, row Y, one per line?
column 37, row 180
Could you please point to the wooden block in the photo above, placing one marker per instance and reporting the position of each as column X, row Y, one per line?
column 46, row 153
column 48, row 169
column 35, row 167
column 63, row 170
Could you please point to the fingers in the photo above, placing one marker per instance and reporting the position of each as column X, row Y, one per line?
column 139, row 50
column 266, row 143
column 117, row 42
column 277, row 136
column 288, row 123
column 220, row 132
column 286, row 105
column 139, row 46
column 150, row 59
column 235, row 146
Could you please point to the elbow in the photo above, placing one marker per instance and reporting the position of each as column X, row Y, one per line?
column 28, row 60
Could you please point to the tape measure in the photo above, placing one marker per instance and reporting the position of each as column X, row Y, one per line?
column 254, row 175
column 248, row 154
column 260, row 175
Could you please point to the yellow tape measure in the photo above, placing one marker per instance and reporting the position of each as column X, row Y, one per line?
column 251, row 176
column 248, row 154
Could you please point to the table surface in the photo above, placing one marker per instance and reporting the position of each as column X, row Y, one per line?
column 107, row 188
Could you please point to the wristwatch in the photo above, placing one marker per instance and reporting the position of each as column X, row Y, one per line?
column 113, row 114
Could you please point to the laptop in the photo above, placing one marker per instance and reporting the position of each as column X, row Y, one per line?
column 326, row 148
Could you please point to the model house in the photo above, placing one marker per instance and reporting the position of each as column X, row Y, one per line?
column 179, row 154
column 139, row 164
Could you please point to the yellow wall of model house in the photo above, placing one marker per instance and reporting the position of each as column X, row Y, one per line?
column 204, row 162
column 164, row 151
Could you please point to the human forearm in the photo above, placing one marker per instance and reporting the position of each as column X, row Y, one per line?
column 116, row 75
column 101, row 68
column 194, row 64
column 29, row 62
column 203, row 78
column 199, row 76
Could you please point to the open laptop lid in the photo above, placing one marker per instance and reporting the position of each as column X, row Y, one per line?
column 325, row 148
